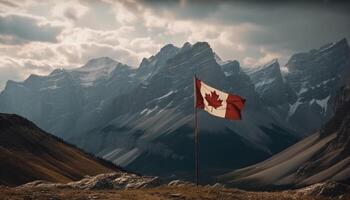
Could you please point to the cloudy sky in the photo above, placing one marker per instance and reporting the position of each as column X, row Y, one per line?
column 39, row 36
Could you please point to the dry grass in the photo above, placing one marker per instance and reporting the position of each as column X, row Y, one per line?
column 160, row 193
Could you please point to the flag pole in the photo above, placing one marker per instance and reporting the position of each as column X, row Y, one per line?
column 196, row 136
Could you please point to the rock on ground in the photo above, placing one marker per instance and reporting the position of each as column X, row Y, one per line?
column 326, row 189
column 102, row 181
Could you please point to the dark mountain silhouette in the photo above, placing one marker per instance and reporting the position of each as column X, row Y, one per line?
column 27, row 153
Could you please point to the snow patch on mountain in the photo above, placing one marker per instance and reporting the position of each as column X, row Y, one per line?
column 323, row 103
column 264, row 82
column 219, row 60
column 293, row 107
column 127, row 157
column 303, row 90
column 148, row 111
column 166, row 95
column 96, row 69
column 53, row 87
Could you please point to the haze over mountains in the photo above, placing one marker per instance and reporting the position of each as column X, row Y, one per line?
column 136, row 116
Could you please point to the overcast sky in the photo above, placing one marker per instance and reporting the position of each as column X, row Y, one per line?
column 39, row 36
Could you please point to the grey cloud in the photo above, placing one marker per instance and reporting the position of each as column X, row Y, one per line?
column 28, row 29
column 44, row 69
column 8, row 74
column 95, row 50
column 10, row 40
column 86, row 51
column 297, row 29
column 71, row 14
column 100, row 16
column 279, row 26
column 195, row 10
column 9, row 71
column 18, row 70
column 8, row 3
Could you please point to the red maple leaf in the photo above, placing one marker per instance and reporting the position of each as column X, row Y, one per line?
column 213, row 99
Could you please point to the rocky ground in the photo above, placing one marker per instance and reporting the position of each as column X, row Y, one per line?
column 162, row 192
column 128, row 186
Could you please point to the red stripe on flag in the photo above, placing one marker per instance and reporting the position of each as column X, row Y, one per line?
column 199, row 98
column 234, row 107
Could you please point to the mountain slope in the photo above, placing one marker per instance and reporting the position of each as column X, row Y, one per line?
column 322, row 156
column 27, row 153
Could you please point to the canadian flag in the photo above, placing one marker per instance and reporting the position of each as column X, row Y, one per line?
column 218, row 103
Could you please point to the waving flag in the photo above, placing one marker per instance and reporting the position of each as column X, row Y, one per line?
column 218, row 103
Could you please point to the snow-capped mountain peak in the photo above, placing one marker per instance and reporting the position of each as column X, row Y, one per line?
column 98, row 62
column 94, row 70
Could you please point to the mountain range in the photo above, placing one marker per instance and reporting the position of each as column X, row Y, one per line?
column 134, row 116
